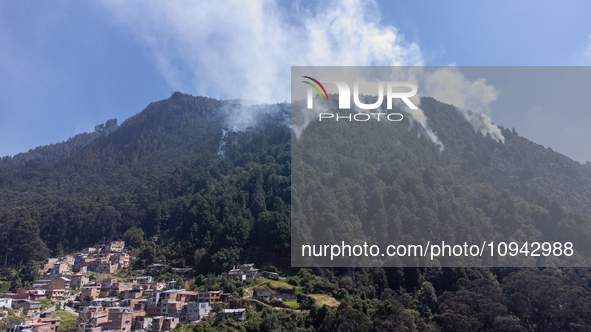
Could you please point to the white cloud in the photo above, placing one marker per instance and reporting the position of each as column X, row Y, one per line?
column 244, row 49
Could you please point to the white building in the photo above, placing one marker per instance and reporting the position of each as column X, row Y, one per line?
column 5, row 303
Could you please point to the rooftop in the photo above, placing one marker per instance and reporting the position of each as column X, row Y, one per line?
column 174, row 291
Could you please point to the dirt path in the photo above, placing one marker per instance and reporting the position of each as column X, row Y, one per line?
column 248, row 291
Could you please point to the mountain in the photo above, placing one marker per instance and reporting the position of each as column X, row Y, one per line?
column 521, row 167
column 383, row 183
column 161, row 170
column 51, row 154
column 215, row 184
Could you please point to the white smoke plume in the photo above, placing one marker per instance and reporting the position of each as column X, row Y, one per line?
column 472, row 98
column 419, row 116
column 245, row 49
column 242, row 116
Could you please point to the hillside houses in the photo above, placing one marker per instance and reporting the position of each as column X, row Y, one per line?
column 58, row 278
column 78, row 281
column 49, row 324
column 105, row 258
column 114, row 304
column 243, row 272
column 27, row 307
column 161, row 310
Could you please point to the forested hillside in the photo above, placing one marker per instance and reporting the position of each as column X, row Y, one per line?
column 51, row 154
column 521, row 167
column 162, row 173
column 384, row 183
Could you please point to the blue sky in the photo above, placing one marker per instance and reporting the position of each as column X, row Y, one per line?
column 62, row 64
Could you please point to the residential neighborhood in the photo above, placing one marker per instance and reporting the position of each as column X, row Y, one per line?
column 136, row 303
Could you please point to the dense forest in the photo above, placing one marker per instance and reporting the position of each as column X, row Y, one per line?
column 51, row 154
column 216, row 197
column 384, row 183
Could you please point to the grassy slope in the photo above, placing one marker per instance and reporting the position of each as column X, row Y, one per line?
column 67, row 319
column 322, row 299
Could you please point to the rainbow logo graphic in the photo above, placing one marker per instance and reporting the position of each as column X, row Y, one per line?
column 315, row 87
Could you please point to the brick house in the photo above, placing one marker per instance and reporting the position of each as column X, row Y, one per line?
column 34, row 294
column 131, row 303
column 99, row 320
column 164, row 323
column 41, row 283
column 106, row 267
column 172, row 308
column 120, row 287
column 48, row 264
column 121, row 260
column 29, row 307
column 141, row 304
column 38, row 327
column 86, row 327
column 122, row 319
column 68, row 260
column 153, row 306
column 119, row 320
column 54, row 323
column 56, row 295
column 210, row 297
column 116, row 246
column 59, row 269
column 108, row 283
column 89, row 250
column 131, row 294
column 243, row 272
column 93, row 311
column 93, row 291
column 89, row 262
column 58, row 283
column 78, row 281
